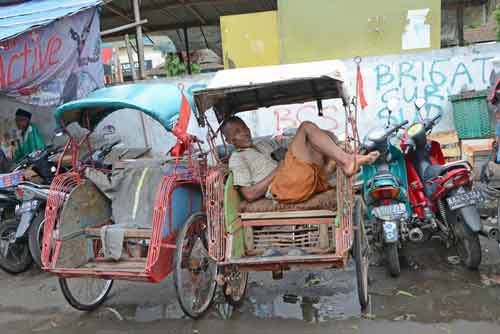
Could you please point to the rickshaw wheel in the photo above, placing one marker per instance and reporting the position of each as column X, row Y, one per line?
column 361, row 253
column 195, row 271
column 236, row 287
column 85, row 293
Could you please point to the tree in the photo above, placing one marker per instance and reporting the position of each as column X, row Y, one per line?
column 174, row 66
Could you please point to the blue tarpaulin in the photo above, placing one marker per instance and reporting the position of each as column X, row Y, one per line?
column 16, row 19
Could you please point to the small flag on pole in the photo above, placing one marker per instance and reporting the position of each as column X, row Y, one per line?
column 180, row 129
column 360, row 90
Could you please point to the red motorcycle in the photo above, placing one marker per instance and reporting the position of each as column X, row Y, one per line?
column 440, row 193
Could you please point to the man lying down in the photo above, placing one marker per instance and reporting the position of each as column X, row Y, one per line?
column 311, row 159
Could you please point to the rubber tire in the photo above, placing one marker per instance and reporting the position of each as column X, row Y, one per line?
column 361, row 271
column 392, row 259
column 471, row 239
column 471, row 243
column 33, row 241
column 177, row 268
column 26, row 261
column 75, row 303
column 239, row 301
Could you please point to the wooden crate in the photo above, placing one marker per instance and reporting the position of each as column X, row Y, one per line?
column 450, row 144
column 314, row 238
column 477, row 154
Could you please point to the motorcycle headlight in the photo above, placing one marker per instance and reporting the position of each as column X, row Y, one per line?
column 415, row 129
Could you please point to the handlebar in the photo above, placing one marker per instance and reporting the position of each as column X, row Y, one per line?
column 430, row 124
column 396, row 128
column 364, row 149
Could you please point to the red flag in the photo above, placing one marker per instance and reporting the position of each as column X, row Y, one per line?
column 360, row 90
column 180, row 129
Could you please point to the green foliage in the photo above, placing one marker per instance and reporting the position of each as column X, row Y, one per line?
column 174, row 66
column 496, row 14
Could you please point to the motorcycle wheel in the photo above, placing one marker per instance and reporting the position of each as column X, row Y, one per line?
column 466, row 242
column 392, row 259
column 35, row 236
column 18, row 258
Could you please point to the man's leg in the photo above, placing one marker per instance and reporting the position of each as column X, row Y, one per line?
column 313, row 145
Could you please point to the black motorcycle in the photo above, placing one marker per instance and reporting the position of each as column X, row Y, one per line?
column 21, row 230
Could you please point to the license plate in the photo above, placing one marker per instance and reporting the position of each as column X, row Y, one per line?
column 458, row 201
column 390, row 212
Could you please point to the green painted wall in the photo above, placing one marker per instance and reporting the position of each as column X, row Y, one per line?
column 336, row 29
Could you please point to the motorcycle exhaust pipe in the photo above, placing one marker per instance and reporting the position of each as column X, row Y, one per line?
column 490, row 232
column 416, row 235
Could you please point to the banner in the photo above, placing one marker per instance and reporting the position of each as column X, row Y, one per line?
column 54, row 64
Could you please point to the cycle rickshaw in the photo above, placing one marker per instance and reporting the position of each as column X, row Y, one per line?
column 238, row 232
column 117, row 214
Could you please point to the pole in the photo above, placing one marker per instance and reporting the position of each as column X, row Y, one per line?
column 140, row 41
column 121, row 28
column 130, row 57
column 186, row 42
column 460, row 23
column 140, row 56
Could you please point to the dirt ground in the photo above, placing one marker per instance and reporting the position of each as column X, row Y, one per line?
column 433, row 295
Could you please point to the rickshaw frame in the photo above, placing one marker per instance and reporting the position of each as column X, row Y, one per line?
column 238, row 90
column 187, row 173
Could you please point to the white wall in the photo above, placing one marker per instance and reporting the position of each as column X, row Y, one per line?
column 150, row 53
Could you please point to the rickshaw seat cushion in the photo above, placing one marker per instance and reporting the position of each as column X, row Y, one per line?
column 323, row 201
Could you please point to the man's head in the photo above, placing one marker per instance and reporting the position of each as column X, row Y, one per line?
column 237, row 132
column 23, row 119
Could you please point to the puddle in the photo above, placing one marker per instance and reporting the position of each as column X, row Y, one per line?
column 430, row 290
column 310, row 308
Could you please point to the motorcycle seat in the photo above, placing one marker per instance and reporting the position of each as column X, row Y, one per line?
column 434, row 171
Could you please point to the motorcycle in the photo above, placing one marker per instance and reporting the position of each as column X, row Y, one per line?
column 385, row 192
column 33, row 195
column 14, row 257
column 441, row 193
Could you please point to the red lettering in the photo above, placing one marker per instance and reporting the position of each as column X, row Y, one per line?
column 36, row 55
column 2, row 73
column 53, row 48
column 43, row 58
column 26, row 52
column 284, row 116
column 311, row 112
column 12, row 59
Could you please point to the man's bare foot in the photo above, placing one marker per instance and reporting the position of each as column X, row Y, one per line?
column 354, row 166
column 367, row 159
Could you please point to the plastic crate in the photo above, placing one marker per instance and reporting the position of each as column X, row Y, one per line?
column 10, row 179
column 471, row 115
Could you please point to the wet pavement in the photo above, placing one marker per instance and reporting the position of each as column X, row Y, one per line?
column 433, row 295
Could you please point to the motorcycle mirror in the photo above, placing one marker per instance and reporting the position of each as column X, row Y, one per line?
column 59, row 132
column 419, row 103
column 392, row 104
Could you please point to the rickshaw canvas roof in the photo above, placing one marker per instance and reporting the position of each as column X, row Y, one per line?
column 251, row 88
column 160, row 101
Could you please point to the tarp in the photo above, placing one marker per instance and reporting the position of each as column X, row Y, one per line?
column 16, row 19
column 55, row 64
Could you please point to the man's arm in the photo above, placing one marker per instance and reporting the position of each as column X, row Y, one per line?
column 258, row 190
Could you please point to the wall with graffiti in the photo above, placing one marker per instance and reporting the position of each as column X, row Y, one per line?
column 433, row 75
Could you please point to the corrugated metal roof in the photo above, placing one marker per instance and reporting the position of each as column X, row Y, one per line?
column 16, row 19
column 169, row 16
